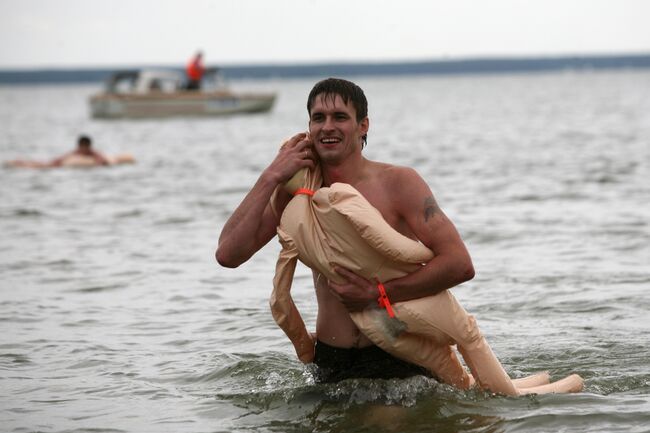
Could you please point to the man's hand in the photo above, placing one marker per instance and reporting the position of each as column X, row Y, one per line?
column 294, row 154
column 356, row 293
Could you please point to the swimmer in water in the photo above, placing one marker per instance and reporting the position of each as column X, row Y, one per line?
column 83, row 156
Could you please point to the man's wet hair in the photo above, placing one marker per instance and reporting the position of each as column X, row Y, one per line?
column 347, row 90
column 84, row 140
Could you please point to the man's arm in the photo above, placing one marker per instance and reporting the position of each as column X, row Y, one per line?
column 451, row 265
column 58, row 161
column 253, row 224
column 100, row 158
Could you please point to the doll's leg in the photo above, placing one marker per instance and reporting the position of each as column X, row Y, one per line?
column 536, row 379
column 572, row 383
column 442, row 313
column 448, row 317
column 541, row 378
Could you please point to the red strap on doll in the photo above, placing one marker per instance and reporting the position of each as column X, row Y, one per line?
column 304, row 191
column 383, row 300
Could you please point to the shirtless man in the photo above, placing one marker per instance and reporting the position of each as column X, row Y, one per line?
column 84, row 155
column 338, row 127
column 84, row 148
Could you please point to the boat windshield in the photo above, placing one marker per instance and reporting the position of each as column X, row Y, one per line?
column 163, row 81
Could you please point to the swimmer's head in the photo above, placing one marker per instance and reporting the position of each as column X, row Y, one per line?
column 84, row 142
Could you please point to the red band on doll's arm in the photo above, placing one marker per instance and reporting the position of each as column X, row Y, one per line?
column 304, row 191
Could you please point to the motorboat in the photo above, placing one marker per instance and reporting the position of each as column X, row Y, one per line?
column 163, row 93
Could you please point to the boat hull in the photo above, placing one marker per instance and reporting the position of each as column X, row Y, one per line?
column 131, row 105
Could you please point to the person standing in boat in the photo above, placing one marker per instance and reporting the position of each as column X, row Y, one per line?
column 195, row 71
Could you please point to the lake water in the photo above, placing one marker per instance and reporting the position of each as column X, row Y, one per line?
column 115, row 317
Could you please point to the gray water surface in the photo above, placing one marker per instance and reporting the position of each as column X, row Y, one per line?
column 114, row 316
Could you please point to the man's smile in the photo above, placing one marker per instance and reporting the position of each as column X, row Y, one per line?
column 329, row 141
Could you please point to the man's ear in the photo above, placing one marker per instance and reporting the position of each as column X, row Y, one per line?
column 365, row 125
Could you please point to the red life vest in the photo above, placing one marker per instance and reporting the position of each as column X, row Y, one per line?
column 195, row 69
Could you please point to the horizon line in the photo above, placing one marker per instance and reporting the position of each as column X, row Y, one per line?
column 344, row 62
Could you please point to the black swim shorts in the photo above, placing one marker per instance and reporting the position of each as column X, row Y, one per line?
column 335, row 364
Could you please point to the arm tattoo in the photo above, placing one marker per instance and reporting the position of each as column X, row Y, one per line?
column 430, row 208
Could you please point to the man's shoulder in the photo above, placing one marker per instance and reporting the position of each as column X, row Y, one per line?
column 394, row 175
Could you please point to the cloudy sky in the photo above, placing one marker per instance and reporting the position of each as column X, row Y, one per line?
column 72, row 33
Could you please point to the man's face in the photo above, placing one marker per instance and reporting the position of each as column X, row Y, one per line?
column 334, row 128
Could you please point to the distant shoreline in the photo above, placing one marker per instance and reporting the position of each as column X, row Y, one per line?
column 280, row 71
